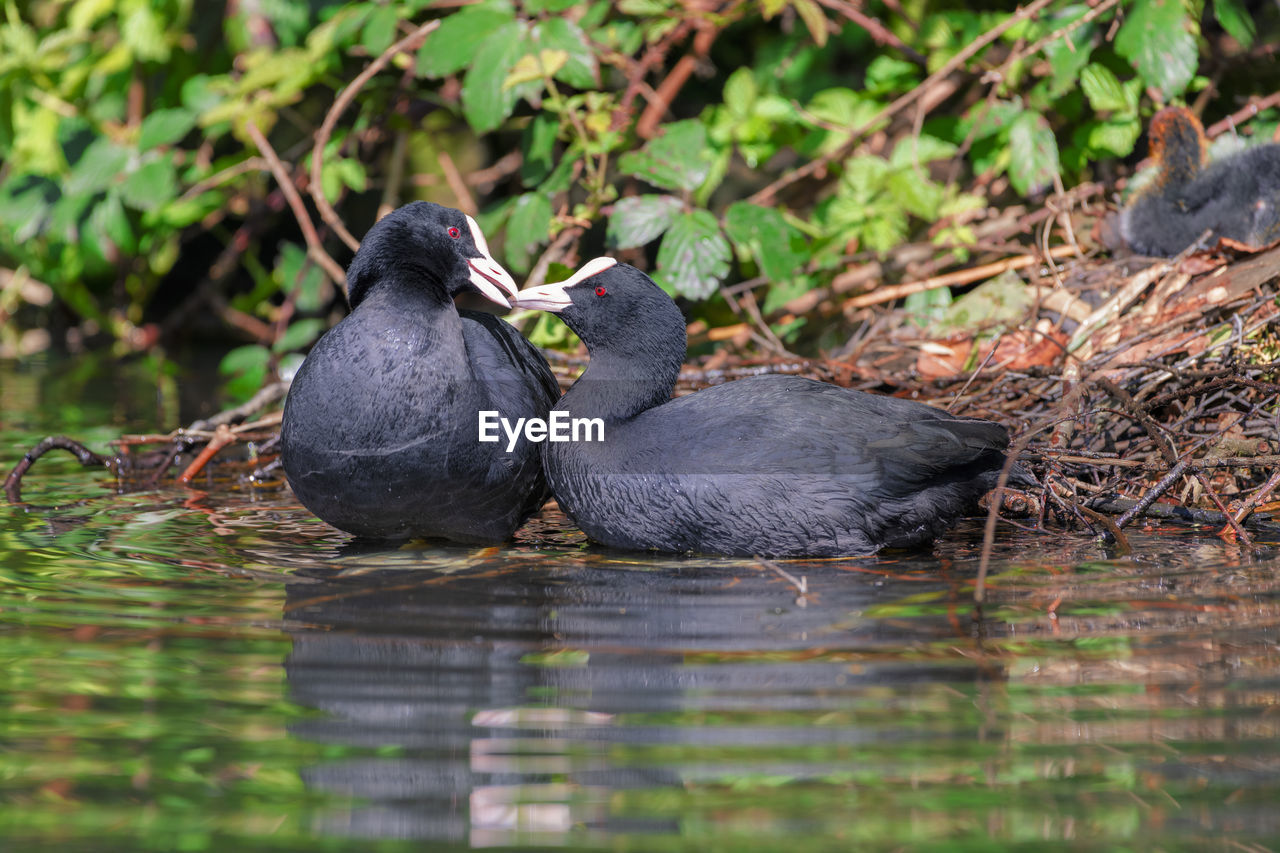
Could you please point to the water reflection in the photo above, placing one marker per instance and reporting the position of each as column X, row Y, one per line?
column 523, row 699
column 567, row 699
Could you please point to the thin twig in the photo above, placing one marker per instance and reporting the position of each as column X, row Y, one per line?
column 89, row 459
column 800, row 583
column 340, row 103
column 466, row 201
column 965, row 276
column 315, row 249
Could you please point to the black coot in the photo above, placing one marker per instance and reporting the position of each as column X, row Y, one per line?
column 380, row 435
column 769, row 466
column 1236, row 197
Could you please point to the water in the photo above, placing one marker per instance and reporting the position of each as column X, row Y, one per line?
column 210, row 670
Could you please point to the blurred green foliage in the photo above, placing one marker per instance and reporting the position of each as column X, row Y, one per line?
column 123, row 132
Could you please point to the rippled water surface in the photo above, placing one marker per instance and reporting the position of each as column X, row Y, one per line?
column 191, row 670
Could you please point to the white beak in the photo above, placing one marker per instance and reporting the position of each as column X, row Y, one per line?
column 553, row 297
column 489, row 276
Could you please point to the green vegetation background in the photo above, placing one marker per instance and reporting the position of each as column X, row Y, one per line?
column 765, row 142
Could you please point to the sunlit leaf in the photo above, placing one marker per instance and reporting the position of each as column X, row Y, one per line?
column 637, row 220
column 527, row 228
column 1157, row 38
column 1069, row 54
column 99, row 166
column 530, row 67
column 299, row 334
column 677, row 160
column 1103, row 89
column 1033, row 152
column 579, row 68
column 694, row 256
column 380, row 29
column 143, row 32
column 1236, row 20
column 1115, row 138
column 777, row 247
column 485, row 101
column 165, row 126
column 150, row 185
column 456, row 44
column 811, row 13
column 740, row 92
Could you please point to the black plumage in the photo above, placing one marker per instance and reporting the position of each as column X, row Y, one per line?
column 380, row 434
column 770, row 466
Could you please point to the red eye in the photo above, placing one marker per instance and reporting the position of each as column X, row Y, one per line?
column 600, row 291
column 454, row 232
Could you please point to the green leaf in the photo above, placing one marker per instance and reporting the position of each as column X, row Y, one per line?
column 485, row 102
column 1068, row 55
column 1000, row 301
column 111, row 222
column 143, row 32
column 579, row 68
column 925, row 306
column 694, row 256
column 777, row 247
column 1033, row 152
column 536, row 6
column 380, row 29
column 538, row 144
column 782, row 292
column 677, row 160
column 150, row 185
column 920, row 150
column 180, row 214
column 294, row 269
column 1103, row 89
column 740, row 92
column 811, row 13
column 247, row 366
column 456, row 44
column 353, row 174
column 528, row 227
column 1236, row 20
column 98, row 167
column 166, row 126
column 533, row 67
column 887, row 75
column 915, row 192
column 299, row 334
column 1115, row 138
column 1156, row 37
column 639, row 219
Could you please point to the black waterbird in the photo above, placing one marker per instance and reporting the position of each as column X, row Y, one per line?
column 769, row 466
column 380, row 430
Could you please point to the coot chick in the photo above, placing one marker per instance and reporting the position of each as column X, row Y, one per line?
column 380, row 433
column 770, row 466
column 1237, row 197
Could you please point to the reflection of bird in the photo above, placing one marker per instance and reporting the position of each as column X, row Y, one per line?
column 380, row 433
column 1237, row 197
column 772, row 466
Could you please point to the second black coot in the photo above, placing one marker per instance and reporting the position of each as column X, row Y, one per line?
column 381, row 425
column 769, row 466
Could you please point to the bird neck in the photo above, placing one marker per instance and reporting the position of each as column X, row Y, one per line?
column 423, row 316
column 616, row 386
column 1178, row 145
